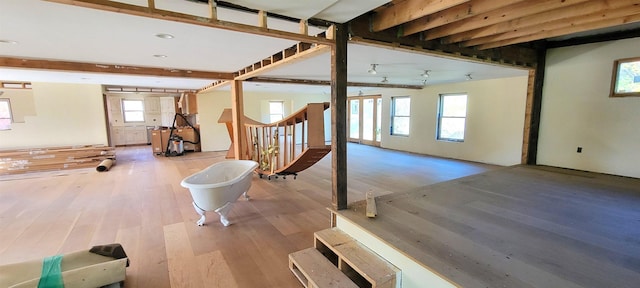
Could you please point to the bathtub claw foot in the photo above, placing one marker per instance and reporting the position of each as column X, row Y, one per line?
column 200, row 212
column 201, row 221
column 246, row 196
column 223, row 211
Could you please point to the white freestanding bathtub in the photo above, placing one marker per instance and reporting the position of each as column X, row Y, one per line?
column 218, row 186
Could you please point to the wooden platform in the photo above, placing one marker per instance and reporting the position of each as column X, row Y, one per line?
column 522, row 226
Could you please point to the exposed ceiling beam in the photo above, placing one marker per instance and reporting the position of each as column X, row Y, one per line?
column 129, row 9
column 496, row 16
column 408, row 10
column 512, row 56
column 110, row 68
column 557, row 24
column 460, row 12
column 214, row 85
column 564, row 31
column 539, row 20
column 328, row 83
column 296, row 54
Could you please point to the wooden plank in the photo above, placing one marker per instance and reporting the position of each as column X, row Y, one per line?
column 331, row 237
column 453, row 14
column 313, row 270
column 215, row 270
column 405, row 11
column 366, row 263
column 372, row 211
column 180, row 257
column 540, row 19
column 496, row 16
column 601, row 20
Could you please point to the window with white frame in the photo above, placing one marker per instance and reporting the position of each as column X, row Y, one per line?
column 276, row 111
column 133, row 110
column 5, row 114
column 400, row 115
column 452, row 116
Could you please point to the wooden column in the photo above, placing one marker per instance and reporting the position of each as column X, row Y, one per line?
column 339, row 118
column 536, row 108
column 237, row 113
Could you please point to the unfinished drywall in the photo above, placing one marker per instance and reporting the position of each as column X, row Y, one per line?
column 577, row 111
column 494, row 125
column 64, row 114
column 211, row 104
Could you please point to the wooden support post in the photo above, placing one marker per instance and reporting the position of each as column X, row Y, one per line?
column 339, row 118
column 237, row 112
column 536, row 108
column 151, row 4
column 213, row 10
column 262, row 19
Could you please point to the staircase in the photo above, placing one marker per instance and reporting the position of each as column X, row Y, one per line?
column 338, row 260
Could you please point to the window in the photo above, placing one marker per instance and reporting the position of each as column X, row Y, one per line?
column 400, row 115
column 452, row 115
column 133, row 110
column 626, row 78
column 5, row 114
column 276, row 111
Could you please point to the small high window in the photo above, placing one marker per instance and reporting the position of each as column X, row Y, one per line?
column 5, row 114
column 452, row 116
column 133, row 110
column 400, row 115
column 276, row 111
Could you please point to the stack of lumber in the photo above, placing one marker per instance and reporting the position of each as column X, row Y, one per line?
column 53, row 158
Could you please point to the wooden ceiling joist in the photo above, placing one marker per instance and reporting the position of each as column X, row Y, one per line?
column 328, row 83
column 110, row 68
column 288, row 56
column 557, row 24
column 564, row 31
column 214, row 85
column 507, row 13
column 528, row 21
column 409, row 10
column 457, row 13
column 513, row 56
column 129, row 9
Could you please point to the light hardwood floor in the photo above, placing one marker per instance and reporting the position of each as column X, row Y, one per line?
column 140, row 204
column 521, row 226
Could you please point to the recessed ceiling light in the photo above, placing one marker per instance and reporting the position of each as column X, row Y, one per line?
column 164, row 36
column 5, row 41
column 160, row 56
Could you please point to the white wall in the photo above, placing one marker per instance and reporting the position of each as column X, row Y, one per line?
column 577, row 111
column 256, row 106
column 59, row 115
column 494, row 125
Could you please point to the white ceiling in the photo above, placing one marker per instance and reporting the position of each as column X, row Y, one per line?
column 51, row 31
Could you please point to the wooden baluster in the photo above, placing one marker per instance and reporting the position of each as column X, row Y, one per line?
column 285, row 155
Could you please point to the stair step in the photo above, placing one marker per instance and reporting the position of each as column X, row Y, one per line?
column 362, row 265
column 315, row 271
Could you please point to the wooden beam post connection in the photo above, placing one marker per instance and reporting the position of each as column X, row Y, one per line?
column 213, row 10
column 237, row 114
column 339, row 118
column 262, row 19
